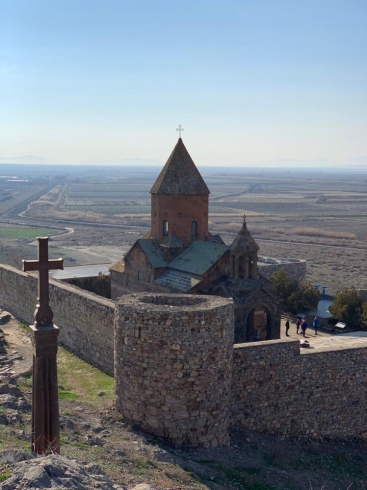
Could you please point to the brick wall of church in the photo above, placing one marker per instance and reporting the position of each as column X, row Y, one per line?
column 85, row 319
column 179, row 211
column 139, row 274
column 280, row 391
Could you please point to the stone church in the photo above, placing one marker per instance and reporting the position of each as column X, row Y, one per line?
column 180, row 255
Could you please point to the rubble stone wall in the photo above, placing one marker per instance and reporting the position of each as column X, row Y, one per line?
column 280, row 391
column 180, row 377
column 295, row 270
column 85, row 319
column 173, row 364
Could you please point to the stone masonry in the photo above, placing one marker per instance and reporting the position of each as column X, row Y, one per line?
column 279, row 390
column 295, row 268
column 85, row 319
column 179, row 375
column 173, row 366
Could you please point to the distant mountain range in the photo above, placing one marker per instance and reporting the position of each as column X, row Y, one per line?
column 26, row 159
column 128, row 162
column 142, row 162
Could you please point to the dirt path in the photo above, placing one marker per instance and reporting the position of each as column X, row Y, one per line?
column 18, row 344
column 69, row 231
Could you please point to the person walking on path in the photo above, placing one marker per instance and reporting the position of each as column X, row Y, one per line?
column 298, row 324
column 287, row 328
column 304, row 328
column 316, row 324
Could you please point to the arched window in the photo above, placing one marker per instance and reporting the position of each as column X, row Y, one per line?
column 165, row 228
column 194, row 228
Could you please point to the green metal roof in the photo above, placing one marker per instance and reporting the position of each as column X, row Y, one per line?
column 199, row 257
column 153, row 252
column 178, row 280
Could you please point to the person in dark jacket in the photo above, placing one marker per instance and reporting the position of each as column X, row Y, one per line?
column 287, row 328
column 304, row 327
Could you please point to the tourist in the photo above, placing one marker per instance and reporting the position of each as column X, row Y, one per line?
column 287, row 328
column 257, row 335
column 304, row 327
column 316, row 324
column 298, row 324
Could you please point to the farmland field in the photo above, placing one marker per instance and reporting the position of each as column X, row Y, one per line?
column 317, row 214
column 25, row 232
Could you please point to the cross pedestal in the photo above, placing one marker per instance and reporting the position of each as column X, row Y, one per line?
column 45, row 400
column 45, row 395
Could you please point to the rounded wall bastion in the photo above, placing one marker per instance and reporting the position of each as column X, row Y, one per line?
column 173, row 366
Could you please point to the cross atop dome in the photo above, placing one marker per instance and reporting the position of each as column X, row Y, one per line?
column 179, row 129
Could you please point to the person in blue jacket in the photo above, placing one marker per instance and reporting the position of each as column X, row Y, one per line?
column 316, row 324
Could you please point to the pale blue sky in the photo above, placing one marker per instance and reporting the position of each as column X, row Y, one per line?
column 250, row 81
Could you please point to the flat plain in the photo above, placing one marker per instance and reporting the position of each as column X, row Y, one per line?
column 315, row 214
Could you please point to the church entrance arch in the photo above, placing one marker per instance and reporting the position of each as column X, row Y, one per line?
column 258, row 325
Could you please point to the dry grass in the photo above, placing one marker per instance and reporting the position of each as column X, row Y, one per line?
column 316, row 232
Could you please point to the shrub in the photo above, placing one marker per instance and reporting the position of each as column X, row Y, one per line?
column 295, row 297
column 349, row 307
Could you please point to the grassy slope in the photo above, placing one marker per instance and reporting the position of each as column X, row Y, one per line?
column 129, row 457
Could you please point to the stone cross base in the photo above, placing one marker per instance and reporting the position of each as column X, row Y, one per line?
column 45, row 402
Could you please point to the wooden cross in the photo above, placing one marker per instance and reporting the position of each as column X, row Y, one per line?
column 43, row 314
column 179, row 129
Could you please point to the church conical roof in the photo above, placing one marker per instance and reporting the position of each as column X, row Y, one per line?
column 244, row 241
column 180, row 175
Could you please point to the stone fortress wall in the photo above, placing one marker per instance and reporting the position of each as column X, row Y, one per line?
column 268, row 387
column 279, row 390
column 173, row 366
column 85, row 319
column 295, row 268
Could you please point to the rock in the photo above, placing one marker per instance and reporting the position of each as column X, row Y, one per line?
column 101, row 393
column 97, row 428
column 10, row 390
column 38, row 476
column 4, row 318
column 67, row 424
column 23, row 406
column 13, row 416
column 54, row 471
column 141, row 486
column 14, row 456
column 93, row 441
column 8, row 401
column 94, row 469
